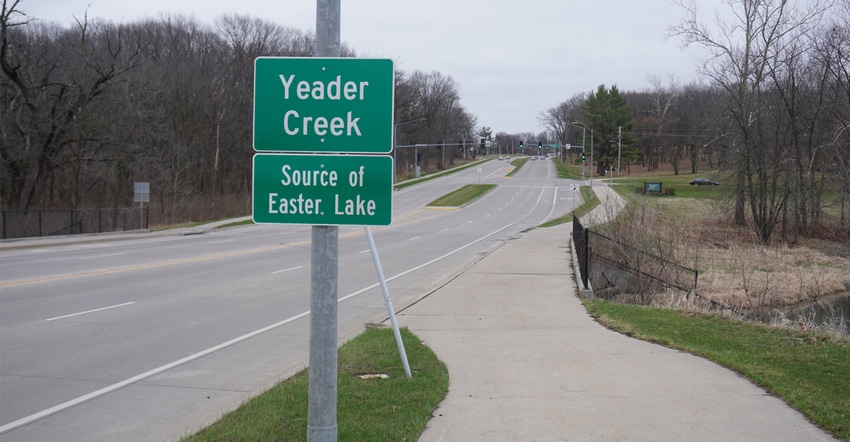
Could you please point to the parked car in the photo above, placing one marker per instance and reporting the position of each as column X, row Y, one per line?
column 703, row 182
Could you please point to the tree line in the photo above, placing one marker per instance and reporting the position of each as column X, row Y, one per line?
column 772, row 116
column 92, row 108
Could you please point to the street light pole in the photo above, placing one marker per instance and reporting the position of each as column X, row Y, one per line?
column 583, row 134
column 395, row 148
column 591, row 152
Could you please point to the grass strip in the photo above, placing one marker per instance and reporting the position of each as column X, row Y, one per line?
column 808, row 370
column 395, row 408
column 579, row 212
column 517, row 163
column 570, row 172
column 464, row 195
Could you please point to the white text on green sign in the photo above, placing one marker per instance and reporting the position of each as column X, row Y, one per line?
column 322, row 189
column 323, row 104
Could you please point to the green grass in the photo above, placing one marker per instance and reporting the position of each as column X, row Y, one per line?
column 180, row 226
column 810, row 371
column 680, row 183
column 237, row 223
column 517, row 163
column 395, row 409
column 580, row 211
column 463, row 195
column 568, row 171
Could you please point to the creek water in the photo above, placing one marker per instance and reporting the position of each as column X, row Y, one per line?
column 832, row 313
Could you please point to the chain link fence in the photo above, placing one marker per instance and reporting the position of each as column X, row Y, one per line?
column 35, row 223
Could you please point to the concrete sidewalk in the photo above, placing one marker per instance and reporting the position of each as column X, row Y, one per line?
column 527, row 363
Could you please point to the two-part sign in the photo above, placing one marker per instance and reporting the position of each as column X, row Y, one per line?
column 329, row 123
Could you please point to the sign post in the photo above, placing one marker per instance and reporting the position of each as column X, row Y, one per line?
column 574, row 188
column 324, row 276
column 327, row 107
column 141, row 195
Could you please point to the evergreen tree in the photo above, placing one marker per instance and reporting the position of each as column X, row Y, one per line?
column 605, row 111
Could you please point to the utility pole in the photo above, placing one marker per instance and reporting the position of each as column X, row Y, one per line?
column 619, row 147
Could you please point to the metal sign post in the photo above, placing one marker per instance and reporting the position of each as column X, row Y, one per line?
column 324, row 279
column 319, row 111
column 141, row 195
column 574, row 188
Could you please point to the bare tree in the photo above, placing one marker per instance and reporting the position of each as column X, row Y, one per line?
column 87, row 110
column 433, row 98
column 51, row 79
column 833, row 55
column 558, row 120
column 745, row 50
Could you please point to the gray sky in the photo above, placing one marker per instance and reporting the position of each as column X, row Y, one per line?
column 511, row 60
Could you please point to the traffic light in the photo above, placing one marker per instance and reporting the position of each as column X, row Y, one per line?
column 540, row 145
column 521, row 144
column 582, row 157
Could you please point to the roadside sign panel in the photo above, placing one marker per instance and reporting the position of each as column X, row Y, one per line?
column 141, row 192
column 322, row 189
column 323, row 104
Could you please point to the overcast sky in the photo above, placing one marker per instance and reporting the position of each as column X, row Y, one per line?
column 511, row 60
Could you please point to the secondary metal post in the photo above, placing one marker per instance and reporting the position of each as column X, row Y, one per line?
column 388, row 301
column 324, row 279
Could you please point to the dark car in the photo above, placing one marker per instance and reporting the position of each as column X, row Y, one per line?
column 703, row 182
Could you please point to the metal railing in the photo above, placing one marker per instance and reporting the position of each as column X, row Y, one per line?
column 582, row 247
column 613, row 265
column 37, row 223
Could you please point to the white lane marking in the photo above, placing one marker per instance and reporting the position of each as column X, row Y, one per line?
column 158, row 370
column 90, row 311
column 98, row 256
column 145, row 375
column 415, row 237
column 286, row 270
column 364, row 251
column 365, row 289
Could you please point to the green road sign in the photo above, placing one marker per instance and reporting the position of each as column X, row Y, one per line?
column 323, row 104
column 323, row 189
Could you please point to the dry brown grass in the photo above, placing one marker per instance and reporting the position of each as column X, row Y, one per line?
column 734, row 269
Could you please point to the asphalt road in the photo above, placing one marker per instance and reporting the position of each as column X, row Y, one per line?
column 151, row 337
